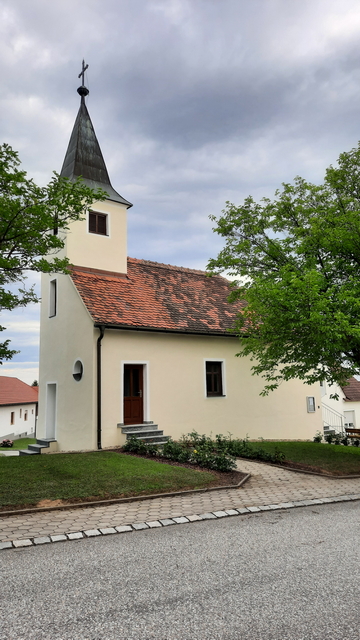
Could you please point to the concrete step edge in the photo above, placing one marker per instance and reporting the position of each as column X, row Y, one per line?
column 154, row 439
column 26, row 452
column 144, row 434
column 140, row 427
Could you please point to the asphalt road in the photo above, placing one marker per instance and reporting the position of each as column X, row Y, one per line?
column 289, row 575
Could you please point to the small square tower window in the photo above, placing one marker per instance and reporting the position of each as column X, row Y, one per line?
column 98, row 223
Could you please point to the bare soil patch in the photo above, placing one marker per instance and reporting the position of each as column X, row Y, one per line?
column 49, row 503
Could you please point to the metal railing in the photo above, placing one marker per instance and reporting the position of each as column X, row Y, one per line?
column 332, row 419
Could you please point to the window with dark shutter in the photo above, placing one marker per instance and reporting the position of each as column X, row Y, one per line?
column 214, row 386
column 98, row 223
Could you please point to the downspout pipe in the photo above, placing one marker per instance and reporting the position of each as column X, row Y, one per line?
column 98, row 353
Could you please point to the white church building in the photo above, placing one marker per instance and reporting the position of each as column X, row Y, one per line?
column 130, row 345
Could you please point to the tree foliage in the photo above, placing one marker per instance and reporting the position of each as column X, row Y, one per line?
column 297, row 263
column 32, row 220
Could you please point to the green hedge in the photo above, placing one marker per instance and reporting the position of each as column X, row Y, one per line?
column 194, row 448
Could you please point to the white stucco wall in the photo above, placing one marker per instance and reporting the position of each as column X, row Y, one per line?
column 175, row 394
column 64, row 339
column 24, row 419
column 174, row 389
column 97, row 251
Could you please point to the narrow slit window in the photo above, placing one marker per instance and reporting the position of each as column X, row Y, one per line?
column 12, row 417
column 53, row 299
column 98, row 223
column 25, row 415
column 214, row 383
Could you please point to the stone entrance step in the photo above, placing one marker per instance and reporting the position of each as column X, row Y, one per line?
column 49, row 444
column 147, row 432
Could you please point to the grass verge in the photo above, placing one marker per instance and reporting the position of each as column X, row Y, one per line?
column 331, row 458
column 19, row 444
column 28, row 480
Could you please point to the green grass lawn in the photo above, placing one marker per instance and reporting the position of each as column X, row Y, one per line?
column 19, row 444
column 332, row 458
column 27, row 480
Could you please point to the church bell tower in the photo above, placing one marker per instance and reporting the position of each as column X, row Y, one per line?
column 100, row 241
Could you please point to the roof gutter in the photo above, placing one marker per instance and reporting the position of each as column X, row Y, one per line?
column 119, row 327
column 98, row 364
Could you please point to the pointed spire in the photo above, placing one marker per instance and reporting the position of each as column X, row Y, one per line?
column 83, row 156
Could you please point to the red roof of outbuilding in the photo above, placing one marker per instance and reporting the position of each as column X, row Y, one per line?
column 14, row 391
column 352, row 390
column 157, row 296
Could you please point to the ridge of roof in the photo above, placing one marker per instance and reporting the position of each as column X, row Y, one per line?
column 172, row 267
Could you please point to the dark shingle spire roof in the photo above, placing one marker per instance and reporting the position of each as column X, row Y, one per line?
column 84, row 157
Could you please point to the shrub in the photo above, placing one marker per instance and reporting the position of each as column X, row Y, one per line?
column 318, row 437
column 176, row 451
column 329, row 438
column 218, row 454
column 133, row 445
column 6, row 443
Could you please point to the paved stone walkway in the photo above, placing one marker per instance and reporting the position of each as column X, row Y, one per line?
column 267, row 486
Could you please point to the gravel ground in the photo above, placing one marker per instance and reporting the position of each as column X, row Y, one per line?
column 289, row 575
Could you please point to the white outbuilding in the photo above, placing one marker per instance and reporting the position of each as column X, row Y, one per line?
column 18, row 408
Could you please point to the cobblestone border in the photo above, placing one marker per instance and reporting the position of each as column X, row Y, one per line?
column 165, row 522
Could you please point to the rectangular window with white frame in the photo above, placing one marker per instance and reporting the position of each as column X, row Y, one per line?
column 98, row 223
column 310, row 403
column 214, row 378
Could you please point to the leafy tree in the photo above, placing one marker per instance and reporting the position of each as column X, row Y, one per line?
column 31, row 218
column 297, row 263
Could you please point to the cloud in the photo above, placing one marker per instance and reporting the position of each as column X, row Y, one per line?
column 193, row 103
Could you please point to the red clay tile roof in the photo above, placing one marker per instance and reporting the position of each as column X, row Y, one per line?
column 157, row 296
column 14, row 391
column 352, row 390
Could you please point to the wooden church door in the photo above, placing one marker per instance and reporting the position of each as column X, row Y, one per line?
column 133, row 394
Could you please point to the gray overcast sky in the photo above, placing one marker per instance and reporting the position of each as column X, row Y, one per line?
column 194, row 102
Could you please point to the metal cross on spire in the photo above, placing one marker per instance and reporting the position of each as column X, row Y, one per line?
column 82, row 73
